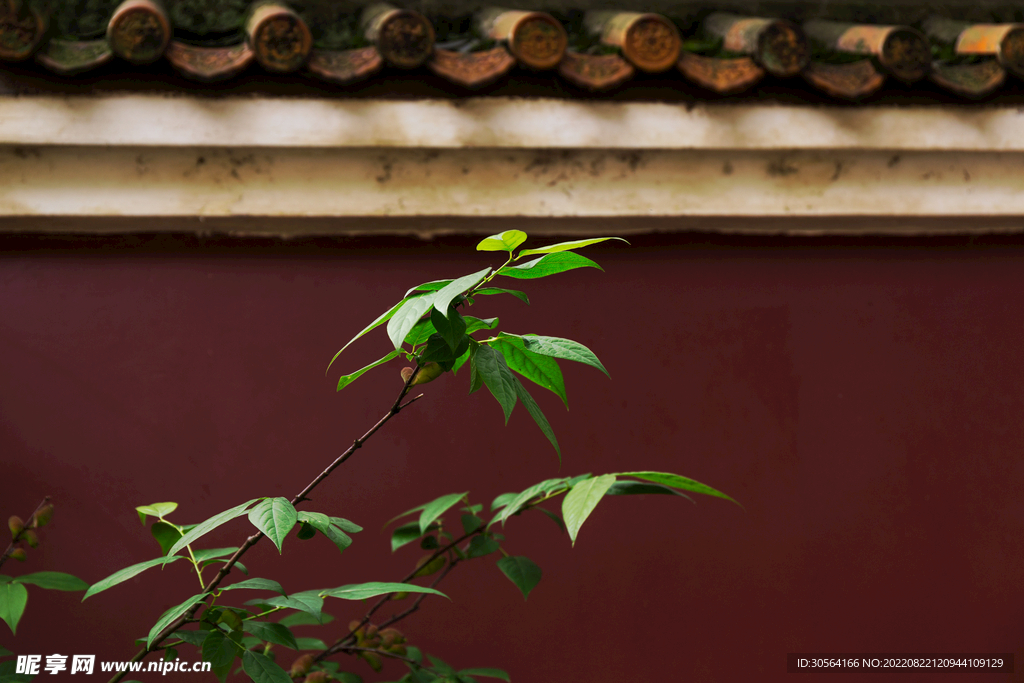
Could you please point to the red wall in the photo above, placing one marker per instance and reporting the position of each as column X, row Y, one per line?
column 862, row 400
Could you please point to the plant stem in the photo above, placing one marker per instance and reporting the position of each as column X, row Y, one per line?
column 397, row 407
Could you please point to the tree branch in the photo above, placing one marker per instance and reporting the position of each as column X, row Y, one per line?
column 303, row 495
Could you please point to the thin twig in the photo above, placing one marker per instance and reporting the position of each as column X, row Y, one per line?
column 397, row 407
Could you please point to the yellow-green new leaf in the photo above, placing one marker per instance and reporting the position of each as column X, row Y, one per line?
column 345, row 380
column 159, row 510
column 503, row 241
column 568, row 246
column 549, row 264
column 581, row 501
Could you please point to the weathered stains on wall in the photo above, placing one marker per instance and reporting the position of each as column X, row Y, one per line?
column 223, row 182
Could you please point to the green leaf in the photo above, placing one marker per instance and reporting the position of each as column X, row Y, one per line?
column 474, row 324
column 4, row 652
column 503, row 241
column 310, row 644
column 406, row 317
column 456, row 287
column 125, row 574
column 309, row 602
column 170, row 615
column 550, row 264
column 262, row 669
column 555, row 518
column 338, row 537
column 346, row 525
column 275, row 517
column 491, row 673
column 209, row 525
column 431, row 286
column 543, row 488
column 503, row 500
column 204, row 554
column 461, row 360
column 155, row 510
column 257, row 584
column 317, row 519
column 218, row 649
column 581, row 501
column 496, row 376
column 567, row 246
column 640, row 488
column 271, row 632
column 441, row 667
column 539, row 369
column 556, row 347
column 471, row 523
column 475, row 379
column 677, row 482
column 407, row 512
column 195, row 637
column 13, row 598
column 384, row 317
column 372, row 589
column 166, row 534
column 522, row 572
column 420, row 332
column 348, row 677
column 451, row 327
column 304, row 619
column 345, row 380
column 436, row 508
column 481, row 545
column 55, row 581
column 485, row 291
column 537, row 415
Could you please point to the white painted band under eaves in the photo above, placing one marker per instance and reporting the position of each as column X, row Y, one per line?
column 170, row 121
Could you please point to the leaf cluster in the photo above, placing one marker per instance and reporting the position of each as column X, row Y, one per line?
column 428, row 327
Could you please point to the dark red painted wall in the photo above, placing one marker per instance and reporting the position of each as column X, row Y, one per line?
column 862, row 400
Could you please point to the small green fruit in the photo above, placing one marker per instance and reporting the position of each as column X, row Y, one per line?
column 15, row 525
column 19, row 554
column 425, row 568
column 318, row 677
column 428, row 373
column 30, row 537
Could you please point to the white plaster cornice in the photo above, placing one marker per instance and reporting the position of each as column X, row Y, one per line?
column 132, row 155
